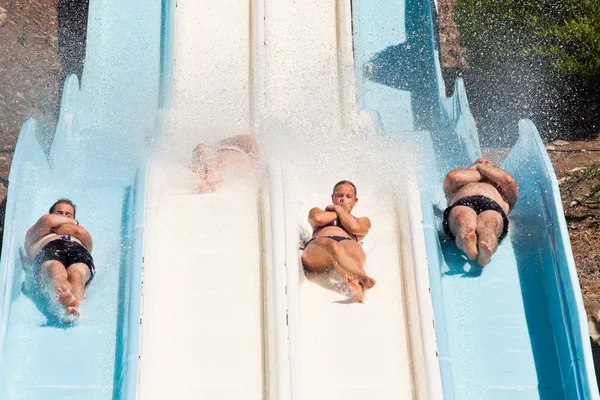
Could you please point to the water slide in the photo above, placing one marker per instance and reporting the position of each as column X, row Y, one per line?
column 93, row 158
column 517, row 328
column 227, row 311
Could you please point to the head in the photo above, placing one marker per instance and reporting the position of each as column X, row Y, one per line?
column 483, row 160
column 344, row 195
column 63, row 207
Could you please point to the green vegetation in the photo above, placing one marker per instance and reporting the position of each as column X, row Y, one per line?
column 583, row 186
column 564, row 34
column 537, row 59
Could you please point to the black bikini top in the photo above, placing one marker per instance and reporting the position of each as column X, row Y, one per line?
column 335, row 222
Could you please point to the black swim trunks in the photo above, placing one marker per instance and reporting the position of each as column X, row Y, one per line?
column 479, row 204
column 68, row 252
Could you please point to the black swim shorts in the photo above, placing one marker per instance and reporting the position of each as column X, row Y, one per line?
column 68, row 252
column 479, row 204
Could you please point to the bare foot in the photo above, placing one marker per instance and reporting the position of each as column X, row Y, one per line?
column 367, row 282
column 356, row 287
column 204, row 187
column 65, row 297
column 485, row 253
column 72, row 311
column 470, row 243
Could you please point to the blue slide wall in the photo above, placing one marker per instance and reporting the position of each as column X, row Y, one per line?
column 515, row 329
column 95, row 158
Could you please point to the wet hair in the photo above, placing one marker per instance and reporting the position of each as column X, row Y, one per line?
column 340, row 183
column 62, row 201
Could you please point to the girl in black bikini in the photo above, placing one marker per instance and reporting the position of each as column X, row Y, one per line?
column 335, row 240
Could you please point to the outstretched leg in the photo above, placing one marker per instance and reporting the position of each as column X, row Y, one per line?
column 489, row 228
column 463, row 225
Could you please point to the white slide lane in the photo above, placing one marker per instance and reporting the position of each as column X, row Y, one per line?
column 228, row 312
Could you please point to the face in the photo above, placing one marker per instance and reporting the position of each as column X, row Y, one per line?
column 345, row 197
column 64, row 209
column 483, row 160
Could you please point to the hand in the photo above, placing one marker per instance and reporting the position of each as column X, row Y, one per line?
column 65, row 229
column 332, row 208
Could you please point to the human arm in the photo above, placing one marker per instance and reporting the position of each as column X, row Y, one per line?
column 78, row 232
column 318, row 217
column 458, row 178
column 501, row 180
column 354, row 225
column 45, row 225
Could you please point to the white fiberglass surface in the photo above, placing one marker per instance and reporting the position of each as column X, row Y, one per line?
column 283, row 72
column 201, row 317
column 351, row 350
column 202, row 333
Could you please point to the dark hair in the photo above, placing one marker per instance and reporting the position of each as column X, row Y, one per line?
column 62, row 201
column 340, row 183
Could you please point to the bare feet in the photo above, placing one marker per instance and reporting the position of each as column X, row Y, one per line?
column 65, row 297
column 206, row 181
column 485, row 253
column 470, row 243
column 356, row 287
column 367, row 282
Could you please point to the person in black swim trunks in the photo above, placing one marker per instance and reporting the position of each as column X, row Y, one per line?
column 335, row 241
column 479, row 198
column 60, row 251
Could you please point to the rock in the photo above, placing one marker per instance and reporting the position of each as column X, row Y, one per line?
column 3, row 17
column 550, row 147
column 560, row 143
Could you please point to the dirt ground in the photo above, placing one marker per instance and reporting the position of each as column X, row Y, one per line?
column 29, row 87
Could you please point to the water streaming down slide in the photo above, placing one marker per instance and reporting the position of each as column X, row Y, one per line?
column 93, row 159
column 202, row 310
column 284, row 72
column 227, row 309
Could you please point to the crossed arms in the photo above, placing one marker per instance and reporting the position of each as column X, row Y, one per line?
column 484, row 173
column 353, row 225
column 59, row 224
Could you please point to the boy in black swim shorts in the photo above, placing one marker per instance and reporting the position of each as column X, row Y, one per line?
column 60, row 251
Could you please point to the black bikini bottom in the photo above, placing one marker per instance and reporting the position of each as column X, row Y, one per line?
column 336, row 238
column 479, row 204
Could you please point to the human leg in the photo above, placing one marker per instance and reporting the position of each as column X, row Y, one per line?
column 322, row 254
column 462, row 222
column 53, row 277
column 489, row 228
column 78, row 275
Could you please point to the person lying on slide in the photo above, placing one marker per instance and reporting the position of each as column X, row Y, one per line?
column 335, row 240
column 209, row 161
column 479, row 198
column 60, row 251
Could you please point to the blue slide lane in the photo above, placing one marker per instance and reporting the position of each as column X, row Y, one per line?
column 96, row 158
column 517, row 328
